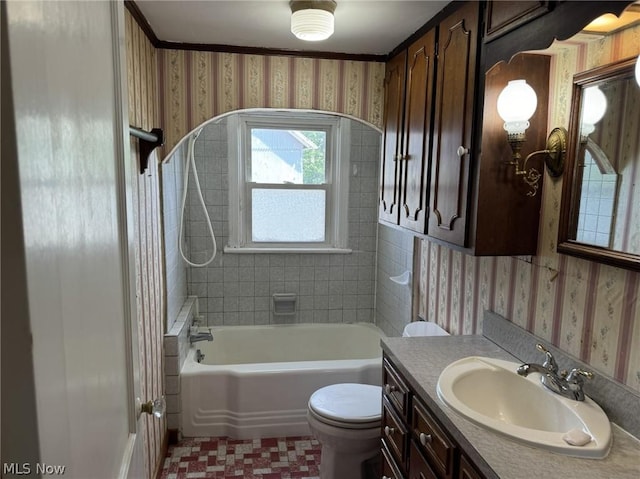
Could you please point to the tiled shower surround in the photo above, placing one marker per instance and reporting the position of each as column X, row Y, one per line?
column 236, row 289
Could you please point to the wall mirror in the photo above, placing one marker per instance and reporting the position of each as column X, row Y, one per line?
column 600, row 211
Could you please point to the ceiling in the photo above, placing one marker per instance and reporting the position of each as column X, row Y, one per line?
column 373, row 27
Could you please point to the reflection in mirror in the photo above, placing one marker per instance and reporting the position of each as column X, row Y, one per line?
column 603, row 182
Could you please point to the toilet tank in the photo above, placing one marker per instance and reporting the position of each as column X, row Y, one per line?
column 423, row 328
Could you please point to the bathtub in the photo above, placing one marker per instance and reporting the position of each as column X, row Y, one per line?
column 255, row 381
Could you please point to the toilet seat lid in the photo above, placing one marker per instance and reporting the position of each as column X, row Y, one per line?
column 348, row 403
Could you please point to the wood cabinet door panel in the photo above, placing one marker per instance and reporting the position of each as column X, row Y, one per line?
column 418, row 466
column 504, row 16
column 455, row 90
column 417, row 129
column 466, row 470
column 434, row 443
column 392, row 138
column 394, row 432
column 395, row 389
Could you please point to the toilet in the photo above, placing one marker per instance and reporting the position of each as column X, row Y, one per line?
column 345, row 419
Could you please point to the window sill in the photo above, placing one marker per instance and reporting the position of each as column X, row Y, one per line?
column 230, row 250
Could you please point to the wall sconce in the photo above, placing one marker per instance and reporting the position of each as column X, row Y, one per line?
column 594, row 106
column 516, row 105
column 638, row 70
column 312, row 20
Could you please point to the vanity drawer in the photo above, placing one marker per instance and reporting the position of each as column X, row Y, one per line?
column 432, row 441
column 390, row 469
column 418, row 466
column 394, row 432
column 395, row 388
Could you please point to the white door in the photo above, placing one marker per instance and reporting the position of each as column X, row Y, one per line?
column 69, row 95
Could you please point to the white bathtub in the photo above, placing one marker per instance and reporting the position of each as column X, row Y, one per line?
column 255, row 381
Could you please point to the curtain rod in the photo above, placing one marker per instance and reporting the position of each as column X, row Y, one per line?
column 149, row 140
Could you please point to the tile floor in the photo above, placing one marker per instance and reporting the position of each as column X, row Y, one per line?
column 219, row 457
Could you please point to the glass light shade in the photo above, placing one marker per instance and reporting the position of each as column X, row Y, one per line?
column 516, row 104
column 638, row 70
column 312, row 24
column 594, row 106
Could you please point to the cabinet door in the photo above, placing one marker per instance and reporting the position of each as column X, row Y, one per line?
column 455, row 90
column 467, row 471
column 392, row 138
column 504, row 16
column 414, row 165
column 418, row 466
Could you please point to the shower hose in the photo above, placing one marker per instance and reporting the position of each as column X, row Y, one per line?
column 190, row 163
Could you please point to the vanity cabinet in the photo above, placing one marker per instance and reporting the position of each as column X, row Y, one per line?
column 414, row 443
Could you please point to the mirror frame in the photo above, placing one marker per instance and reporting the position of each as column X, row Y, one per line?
column 569, row 204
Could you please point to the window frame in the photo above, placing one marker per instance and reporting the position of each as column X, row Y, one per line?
column 336, row 182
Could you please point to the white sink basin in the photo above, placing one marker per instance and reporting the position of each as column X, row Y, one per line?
column 490, row 393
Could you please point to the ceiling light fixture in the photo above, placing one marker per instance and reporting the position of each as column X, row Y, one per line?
column 312, row 20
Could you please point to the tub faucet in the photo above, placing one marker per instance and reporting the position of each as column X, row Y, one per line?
column 566, row 384
column 200, row 336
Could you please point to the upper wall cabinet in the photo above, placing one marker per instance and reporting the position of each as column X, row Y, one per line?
column 408, row 99
column 389, row 204
column 453, row 123
column 444, row 141
column 504, row 16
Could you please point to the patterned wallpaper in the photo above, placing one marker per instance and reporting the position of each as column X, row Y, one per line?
column 587, row 309
column 196, row 86
column 143, row 113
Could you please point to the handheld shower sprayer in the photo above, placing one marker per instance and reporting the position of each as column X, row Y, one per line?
column 191, row 163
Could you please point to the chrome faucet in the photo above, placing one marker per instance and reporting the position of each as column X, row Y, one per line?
column 566, row 384
column 200, row 336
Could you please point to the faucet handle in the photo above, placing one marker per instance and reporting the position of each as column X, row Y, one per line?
column 550, row 362
column 577, row 375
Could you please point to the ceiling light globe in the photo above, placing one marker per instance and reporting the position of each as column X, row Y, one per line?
column 312, row 25
column 517, row 103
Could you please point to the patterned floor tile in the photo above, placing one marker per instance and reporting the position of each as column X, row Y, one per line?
column 224, row 458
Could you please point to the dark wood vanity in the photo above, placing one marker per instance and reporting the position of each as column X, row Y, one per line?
column 414, row 443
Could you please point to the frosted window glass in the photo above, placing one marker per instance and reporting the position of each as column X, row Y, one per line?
column 288, row 215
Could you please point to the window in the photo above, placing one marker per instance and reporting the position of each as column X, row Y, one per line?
column 288, row 182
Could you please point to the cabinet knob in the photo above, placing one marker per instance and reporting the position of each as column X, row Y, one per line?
column 425, row 438
column 462, row 151
column 388, row 388
column 388, row 431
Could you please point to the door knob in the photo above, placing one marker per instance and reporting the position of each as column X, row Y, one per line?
column 157, row 407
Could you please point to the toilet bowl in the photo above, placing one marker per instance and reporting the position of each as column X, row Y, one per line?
column 345, row 419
